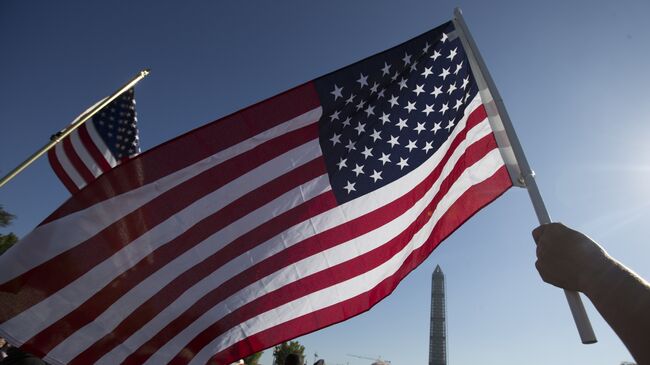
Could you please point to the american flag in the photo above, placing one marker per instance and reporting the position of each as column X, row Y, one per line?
column 107, row 139
column 288, row 216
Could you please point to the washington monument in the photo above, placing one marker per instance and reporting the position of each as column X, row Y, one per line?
column 438, row 325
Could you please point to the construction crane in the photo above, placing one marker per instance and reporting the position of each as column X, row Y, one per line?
column 377, row 360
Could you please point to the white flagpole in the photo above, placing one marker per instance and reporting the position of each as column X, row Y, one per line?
column 524, row 177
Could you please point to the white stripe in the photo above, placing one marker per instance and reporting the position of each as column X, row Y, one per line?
column 25, row 325
column 277, row 244
column 55, row 237
column 99, row 142
column 84, row 155
column 477, row 173
column 68, row 169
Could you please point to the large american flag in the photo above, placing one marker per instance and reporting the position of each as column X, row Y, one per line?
column 288, row 216
column 106, row 140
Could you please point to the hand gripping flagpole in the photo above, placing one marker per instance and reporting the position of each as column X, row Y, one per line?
column 58, row 137
column 509, row 143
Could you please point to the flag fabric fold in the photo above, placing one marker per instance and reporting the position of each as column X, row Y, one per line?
column 106, row 140
column 283, row 218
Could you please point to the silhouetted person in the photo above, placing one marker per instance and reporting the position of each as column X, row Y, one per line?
column 293, row 359
column 16, row 356
column 570, row 260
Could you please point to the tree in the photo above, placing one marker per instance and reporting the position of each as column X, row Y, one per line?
column 281, row 351
column 7, row 240
column 253, row 359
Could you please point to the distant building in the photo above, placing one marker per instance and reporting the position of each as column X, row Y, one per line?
column 438, row 325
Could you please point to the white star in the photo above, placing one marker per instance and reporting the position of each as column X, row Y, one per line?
column 384, row 158
column 407, row 59
column 337, row 92
column 335, row 116
column 419, row 128
column 427, row 146
column 458, row 68
column 445, row 73
column 444, row 38
column 361, row 127
column 363, row 81
column 459, row 103
column 435, row 55
column 465, row 83
column 418, row 89
column 393, row 141
column 385, row 71
column 414, row 66
column 401, row 124
column 384, row 118
column 361, row 104
column 427, row 72
column 374, row 87
column 351, row 146
column 370, row 110
column 346, row 122
column 452, row 54
column 342, row 163
column 350, row 99
column 350, row 187
column 403, row 162
column 426, row 48
column 410, row 107
column 444, row 108
column 411, row 145
column 452, row 87
column 402, row 83
column 335, row 139
column 450, row 125
column 358, row 169
column 428, row 109
column 380, row 94
column 367, row 152
column 376, row 175
column 437, row 90
column 375, row 135
column 393, row 101
column 394, row 77
column 436, row 127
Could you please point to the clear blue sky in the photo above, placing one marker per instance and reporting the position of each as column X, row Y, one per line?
column 573, row 74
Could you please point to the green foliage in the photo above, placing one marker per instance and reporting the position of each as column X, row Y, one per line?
column 281, row 351
column 253, row 359
column 7, row 240
column 5, row 217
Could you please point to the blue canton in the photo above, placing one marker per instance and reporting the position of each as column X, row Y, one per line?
column 117, row 126
column 385, row 115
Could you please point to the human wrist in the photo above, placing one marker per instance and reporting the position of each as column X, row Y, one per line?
column 599, row 280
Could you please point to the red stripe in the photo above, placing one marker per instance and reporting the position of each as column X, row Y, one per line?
column 60, row 172
column 99, row 302
column 98, row 248
column 310, row 246
column 195, row 146
column 464, row 208
column 76, row 162
column 325, row 278
column 266, row 231
column 92, row 148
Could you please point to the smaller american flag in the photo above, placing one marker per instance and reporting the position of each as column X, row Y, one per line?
column 106, row 140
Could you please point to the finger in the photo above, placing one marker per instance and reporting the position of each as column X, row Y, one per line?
column 538, row 232
column 539, row 251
